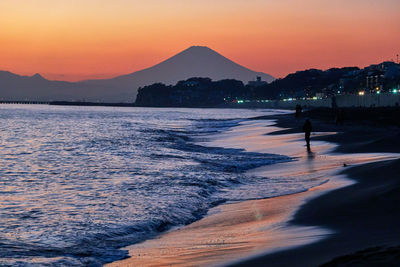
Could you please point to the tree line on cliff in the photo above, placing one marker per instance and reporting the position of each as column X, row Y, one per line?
column 203, row 92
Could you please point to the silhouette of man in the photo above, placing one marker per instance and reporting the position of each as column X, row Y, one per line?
column 333, row 103
column 298, row 110
column 307, row 128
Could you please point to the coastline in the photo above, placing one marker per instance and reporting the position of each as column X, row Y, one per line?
column 364, row 215
column 251, row 228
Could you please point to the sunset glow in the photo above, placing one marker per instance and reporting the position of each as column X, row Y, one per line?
column 75, row 40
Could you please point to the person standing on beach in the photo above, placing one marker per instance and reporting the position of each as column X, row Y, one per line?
column 298, row 110
column 307, row 128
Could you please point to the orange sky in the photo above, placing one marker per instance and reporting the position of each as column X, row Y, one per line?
column 80, row 39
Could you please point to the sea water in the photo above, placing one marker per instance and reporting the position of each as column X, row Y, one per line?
column 79, row 183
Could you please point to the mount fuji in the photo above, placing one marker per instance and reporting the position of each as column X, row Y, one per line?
column 196, row 61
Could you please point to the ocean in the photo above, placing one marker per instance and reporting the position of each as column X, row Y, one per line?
column 79, row 183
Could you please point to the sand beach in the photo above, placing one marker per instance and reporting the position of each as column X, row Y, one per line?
column 354, row 209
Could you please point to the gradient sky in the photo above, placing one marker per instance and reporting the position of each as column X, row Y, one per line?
column 80, row 39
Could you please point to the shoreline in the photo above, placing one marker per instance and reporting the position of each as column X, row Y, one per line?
column 360, row 240
column 365, row 215
column 208, row 250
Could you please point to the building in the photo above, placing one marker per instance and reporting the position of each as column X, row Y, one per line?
column 374, row 80
column 258, row 82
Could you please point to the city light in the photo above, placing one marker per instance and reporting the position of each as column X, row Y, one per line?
column 361, row 93
column 394, row 91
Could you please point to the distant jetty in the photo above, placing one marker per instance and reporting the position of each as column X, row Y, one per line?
column 16, row 102
column 70, row 103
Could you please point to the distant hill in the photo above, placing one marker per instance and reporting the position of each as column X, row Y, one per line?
column 202, row 92
column 196, row 61
column 15, row 87
column 193, row 92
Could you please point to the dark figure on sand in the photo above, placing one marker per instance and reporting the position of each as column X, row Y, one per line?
column 333, row 103
column 298, row 110
column 339, row 118
column 307, row 128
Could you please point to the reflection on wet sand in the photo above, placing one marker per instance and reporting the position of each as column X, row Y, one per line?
column 237, row 230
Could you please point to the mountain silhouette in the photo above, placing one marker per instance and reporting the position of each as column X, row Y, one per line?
column 196, row 61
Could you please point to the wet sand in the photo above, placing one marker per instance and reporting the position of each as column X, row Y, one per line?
column 260, row 232
column 365, row 216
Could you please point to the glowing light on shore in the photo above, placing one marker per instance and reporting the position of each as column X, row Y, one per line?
column 361, row 93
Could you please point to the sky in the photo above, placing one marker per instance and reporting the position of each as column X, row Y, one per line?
column 84, row 39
